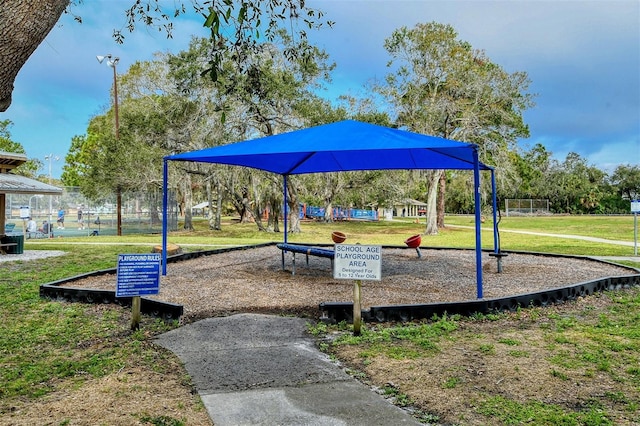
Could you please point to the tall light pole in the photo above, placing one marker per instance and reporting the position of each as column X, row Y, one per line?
column 50, row 158
column 112, row 62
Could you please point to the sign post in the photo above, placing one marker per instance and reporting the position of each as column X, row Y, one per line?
column 357, row 307
column 357, row 262
column 635, row 208
column 25, row 213
column 137, row 275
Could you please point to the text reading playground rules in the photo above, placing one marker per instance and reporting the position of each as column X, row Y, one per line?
column 138, row 274
column 357, row 262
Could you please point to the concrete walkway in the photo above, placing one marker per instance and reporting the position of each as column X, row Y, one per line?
column 265, row 370
column 544, row 234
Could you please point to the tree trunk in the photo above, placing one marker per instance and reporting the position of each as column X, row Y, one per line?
column 245, row 207
column 333, row 186
column 212, row 220
column 433, row 177
column 218, row 222
column 188, row 203
column 294, row 217
column 294, row 207
column 24, row 24
column 328, row 211
column 257, row 218
column 207, row 189
column 274, row 215
column 441, row 194
column 214, row 215
column 257, row 207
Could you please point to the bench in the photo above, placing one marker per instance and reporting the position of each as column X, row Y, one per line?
column 307, row 251
column 36, row 234
column 3, row 247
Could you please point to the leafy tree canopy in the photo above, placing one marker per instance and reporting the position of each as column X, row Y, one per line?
column 31, row 167
column 237, row 27
column 626, row 178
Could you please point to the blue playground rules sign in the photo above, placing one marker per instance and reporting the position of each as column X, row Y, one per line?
column 138, row 274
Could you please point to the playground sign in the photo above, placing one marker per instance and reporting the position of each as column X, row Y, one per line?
column 25, row 212
column 357, row 262
column 138, row 274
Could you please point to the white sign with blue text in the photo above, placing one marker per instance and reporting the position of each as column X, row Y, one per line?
column 138, row 274
column 357, row 262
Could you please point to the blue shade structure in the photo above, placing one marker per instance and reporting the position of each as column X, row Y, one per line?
column 339, row 147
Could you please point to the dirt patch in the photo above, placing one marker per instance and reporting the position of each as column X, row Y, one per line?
column 133, row 396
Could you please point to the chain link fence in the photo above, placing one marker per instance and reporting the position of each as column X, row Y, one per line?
column 526, row 206
column 141, row 213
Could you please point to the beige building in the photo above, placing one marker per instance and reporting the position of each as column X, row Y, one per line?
column 410, row 208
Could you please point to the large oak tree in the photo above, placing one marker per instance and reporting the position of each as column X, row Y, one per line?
column 441, row 86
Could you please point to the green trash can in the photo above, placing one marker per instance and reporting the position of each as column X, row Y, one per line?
column 18, row 239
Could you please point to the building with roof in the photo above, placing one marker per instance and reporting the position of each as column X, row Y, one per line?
column 410, row 208
column 11, row 183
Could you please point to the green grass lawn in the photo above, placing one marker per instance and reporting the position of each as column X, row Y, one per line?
column 46, row 345
column 395, row 232
column 608, row 227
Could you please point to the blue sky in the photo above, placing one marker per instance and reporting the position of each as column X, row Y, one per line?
column 583, row 58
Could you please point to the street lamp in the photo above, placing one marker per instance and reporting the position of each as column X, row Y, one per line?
column 112, row 62
column 51, row 158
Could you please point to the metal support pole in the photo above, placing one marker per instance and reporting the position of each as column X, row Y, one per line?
column 165, row 216
column 286, row 210
column 635, row 233
column 112, row 62
column 496, row 245
column 476, row 190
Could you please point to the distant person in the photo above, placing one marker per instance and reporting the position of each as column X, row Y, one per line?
column 45, row 228
column 32, row 227
column 60, row 220
column 80, row 219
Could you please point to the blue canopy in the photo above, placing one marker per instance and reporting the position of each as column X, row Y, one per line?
column 339, row 147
